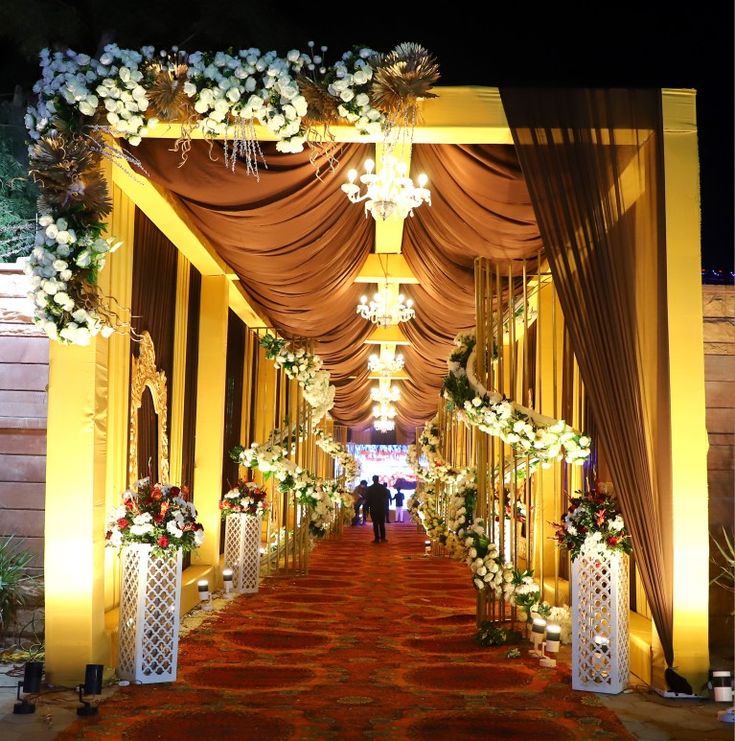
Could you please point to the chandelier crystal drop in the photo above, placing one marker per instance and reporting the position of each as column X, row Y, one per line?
column 385, row 366
column 385, row 395
column 384, row 425
column 386, row 309
column 389, row 191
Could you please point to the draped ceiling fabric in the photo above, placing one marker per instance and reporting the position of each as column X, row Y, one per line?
column 297, row 245
column 480, row 207
column 605, row 242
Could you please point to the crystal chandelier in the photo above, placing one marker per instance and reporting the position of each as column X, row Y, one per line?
column 385, row 366
column 385, row 410
column 386, row 308
column 389, row 191
column 385, row 395
column 384, row 425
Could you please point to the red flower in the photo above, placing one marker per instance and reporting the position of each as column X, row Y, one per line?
column 613, row 540
column 174, row 491
column 163, row 541
column 156, row 494
column 122, row 523
column 158, row 519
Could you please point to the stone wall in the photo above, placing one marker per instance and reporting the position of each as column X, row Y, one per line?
column 719, row 359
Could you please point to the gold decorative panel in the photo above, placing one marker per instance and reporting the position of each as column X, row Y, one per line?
column 145, row 375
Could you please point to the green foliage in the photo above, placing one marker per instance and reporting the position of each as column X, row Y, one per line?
column 17, row 207
column 490, row 634
column 14, row 580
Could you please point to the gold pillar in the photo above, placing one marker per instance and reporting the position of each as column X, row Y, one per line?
column 686, row 376
column 209, row 448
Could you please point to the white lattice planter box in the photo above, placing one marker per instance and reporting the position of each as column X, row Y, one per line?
column 600, row 612
column 149, row 615
column 242, row 550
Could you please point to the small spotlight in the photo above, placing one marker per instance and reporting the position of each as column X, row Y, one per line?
column 227, row 580
column 31, row 684
column 92, row 686
column 205, row 597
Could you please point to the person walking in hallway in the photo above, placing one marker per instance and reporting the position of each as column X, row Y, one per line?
column 377, row 497
column 358, row 499
column 398, row 498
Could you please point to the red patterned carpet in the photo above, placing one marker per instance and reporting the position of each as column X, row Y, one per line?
column 377, row 642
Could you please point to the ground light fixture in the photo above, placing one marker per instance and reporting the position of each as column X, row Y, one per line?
column 92, row 685
column 227, row 580
column 31, row 684
column 205, row 596
column 538, row 628
column 551, row 646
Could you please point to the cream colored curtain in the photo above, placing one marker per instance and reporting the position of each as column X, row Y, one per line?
column 593, row 163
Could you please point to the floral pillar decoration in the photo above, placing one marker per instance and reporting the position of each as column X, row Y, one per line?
column 154, row 525
column 242, row 509
column 594, row 533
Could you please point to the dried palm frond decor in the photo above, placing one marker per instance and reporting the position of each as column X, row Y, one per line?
column 403, row 77
column 67, row 170
column 167, row 98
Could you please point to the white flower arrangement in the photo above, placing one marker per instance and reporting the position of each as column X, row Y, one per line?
column 249, row 86
column 531, row 435
column 61, row 266
column 350, row 83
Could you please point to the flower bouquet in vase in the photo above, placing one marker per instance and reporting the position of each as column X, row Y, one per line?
column 153, row 526
column 593, row 531
column 242, row 509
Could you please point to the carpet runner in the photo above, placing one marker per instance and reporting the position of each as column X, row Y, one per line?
column 377, row 643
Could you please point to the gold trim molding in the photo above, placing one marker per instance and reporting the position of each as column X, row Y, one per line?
column 144, row 374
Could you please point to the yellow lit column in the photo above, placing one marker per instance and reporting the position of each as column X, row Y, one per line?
column 117, row 280
column 209, row 444
column 75, row 503
column 686, row 375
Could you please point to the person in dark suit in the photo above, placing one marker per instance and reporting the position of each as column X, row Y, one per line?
column 376, row 497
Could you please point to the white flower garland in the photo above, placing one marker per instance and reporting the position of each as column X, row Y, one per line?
column 228, row 92
column 306, row 368
column 310, row 491
column 339, row 452
column 528, row 433
column 59, row 266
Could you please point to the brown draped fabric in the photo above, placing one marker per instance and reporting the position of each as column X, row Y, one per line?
column 480, row 207
column 594, row 167
column 297, row 244
column 153, row 307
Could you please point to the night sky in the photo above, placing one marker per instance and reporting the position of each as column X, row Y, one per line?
column 567, row 44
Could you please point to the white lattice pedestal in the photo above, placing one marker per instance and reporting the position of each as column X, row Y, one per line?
column 242, row 551
column 600, row 612
column 149, row 615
